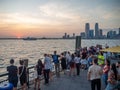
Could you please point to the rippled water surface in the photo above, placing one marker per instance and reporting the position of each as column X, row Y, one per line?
column 33, row 50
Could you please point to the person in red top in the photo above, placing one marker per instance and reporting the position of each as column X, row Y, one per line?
column 106, row 69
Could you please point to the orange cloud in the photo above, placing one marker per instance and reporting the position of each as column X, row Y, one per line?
column 21, row 24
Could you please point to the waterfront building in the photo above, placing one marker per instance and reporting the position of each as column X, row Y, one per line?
column 117, row 36
column 96, row 30
column 100, row 33
column 91, row 33
column 119, row 31
column 87, row 28
column 82, row 34
column 110, row 34
column 68, row 36
column 65, row 35
column 114, row 33
column 73, row 35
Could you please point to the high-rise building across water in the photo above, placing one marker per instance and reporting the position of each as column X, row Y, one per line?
column 87, row 28
column 96, row 30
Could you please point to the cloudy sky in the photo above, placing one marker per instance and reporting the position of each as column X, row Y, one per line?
column 52, row 18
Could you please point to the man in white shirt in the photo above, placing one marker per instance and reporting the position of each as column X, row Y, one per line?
column 94, row 75
column 47, row 66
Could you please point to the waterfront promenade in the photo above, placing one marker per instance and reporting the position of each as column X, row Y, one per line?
column 66, row 82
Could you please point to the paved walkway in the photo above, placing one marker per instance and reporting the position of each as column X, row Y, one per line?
column 66, row 82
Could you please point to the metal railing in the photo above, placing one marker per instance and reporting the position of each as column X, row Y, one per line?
column 29, row 79
column 4, row 76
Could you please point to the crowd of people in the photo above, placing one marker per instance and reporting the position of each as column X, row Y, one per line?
column 100, row 70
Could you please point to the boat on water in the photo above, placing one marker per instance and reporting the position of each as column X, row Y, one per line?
column 30, row 38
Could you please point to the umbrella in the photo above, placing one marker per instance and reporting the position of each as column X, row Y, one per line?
column 115, row 49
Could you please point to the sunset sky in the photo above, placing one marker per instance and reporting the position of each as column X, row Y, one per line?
column 52, row 18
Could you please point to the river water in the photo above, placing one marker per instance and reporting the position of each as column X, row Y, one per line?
column 33, row 50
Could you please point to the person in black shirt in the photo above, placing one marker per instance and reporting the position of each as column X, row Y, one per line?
column 39, row 70
column 63, row 62
column 12, row 74
column 23, row 75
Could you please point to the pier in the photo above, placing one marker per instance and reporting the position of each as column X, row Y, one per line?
column 64, row 82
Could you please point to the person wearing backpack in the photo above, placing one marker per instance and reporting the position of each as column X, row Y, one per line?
column 56, row 62
column 38, row 71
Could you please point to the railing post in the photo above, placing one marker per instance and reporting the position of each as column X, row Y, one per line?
column 26, row 64
column 78, row 42
column 28, row 77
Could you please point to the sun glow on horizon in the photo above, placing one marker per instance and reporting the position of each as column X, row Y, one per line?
column 18, row 35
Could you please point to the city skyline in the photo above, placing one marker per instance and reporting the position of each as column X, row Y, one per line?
column 52, row 18
column 97, row 32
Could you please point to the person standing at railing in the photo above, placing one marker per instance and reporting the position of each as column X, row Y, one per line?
column 56, row 62
column 12, row 74
column 38, row 73
column 63, row 62
column 51, row 68
column 68, row 59
column 47, row 66
column 22, row 71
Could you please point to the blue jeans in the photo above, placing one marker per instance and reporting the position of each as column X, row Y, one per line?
column 46, row 75
column 104, row 79
column 110, row 87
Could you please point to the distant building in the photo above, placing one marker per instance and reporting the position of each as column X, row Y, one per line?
column 91, row 33
column 68, row 36
column 96, row 30
column 87, row 28
column 100, row 33
column 110, row 34
column 82, row 34
column 114, row 33
column 119, row 31
column 65, row 36
column 73, row 35
column 117, row 36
